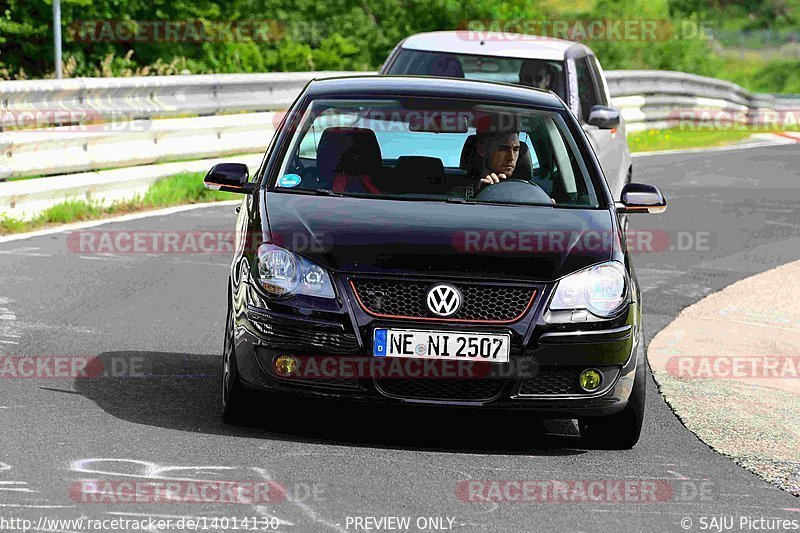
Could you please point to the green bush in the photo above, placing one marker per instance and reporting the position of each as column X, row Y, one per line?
column 359, row 34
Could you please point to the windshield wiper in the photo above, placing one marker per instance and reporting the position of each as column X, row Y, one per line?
column 458, row 200
column 316, row 192
column 535, row 204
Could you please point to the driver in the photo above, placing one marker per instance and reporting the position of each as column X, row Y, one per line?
column 536, row 73
column 498, row 153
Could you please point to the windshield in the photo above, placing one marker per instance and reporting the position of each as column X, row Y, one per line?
column 435, row 149
column 541, row 73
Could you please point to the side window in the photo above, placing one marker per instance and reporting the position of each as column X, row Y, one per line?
column 330, row 118
column 524, row 137
column 603, row 97
column 587, row 94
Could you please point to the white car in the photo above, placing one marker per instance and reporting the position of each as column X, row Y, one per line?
column 573, row 73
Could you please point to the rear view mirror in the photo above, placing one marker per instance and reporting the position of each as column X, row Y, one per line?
column 641, row 198
column 229, row 177
column 439, row 122
column 605, row 118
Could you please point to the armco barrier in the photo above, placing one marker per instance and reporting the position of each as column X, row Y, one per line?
column 138, row 142
column 650, row 98
column 153, row 96
column 140, row 134
column 24, row 199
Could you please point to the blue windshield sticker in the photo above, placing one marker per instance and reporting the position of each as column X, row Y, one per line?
column 289, row 180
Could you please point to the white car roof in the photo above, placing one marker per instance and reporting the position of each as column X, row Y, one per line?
column 497, row 44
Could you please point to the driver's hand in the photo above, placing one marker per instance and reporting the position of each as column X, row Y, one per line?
column 492, row 178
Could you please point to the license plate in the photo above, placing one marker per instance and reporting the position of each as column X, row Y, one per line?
column 418, row 344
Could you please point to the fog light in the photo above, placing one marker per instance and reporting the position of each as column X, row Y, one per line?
column 285, row 365
column 590, row 380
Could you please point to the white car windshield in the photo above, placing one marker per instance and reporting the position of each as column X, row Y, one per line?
column 540, row 73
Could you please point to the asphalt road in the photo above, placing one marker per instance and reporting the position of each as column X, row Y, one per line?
column 164, row 313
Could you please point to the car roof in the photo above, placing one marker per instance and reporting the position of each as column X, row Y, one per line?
column 495, row 44
column 432, row 87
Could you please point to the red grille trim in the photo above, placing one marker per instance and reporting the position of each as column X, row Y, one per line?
column 433, row 319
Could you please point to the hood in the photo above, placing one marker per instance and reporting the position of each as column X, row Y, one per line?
column 379, row 236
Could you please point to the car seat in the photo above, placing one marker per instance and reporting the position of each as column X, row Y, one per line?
column 348, row 159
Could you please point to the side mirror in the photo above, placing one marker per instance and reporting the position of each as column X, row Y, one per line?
column 229, row 177
column 641, row 198
column 605, row 118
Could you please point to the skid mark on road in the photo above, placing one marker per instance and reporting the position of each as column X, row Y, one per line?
column 26, row 506
column 8, row 323
column 30, row 251
column 136, row 468
column 306, row 509
column 144, row 469
column 16, row 487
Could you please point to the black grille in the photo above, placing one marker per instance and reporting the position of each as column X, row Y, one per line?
column 298, row 339
column 552, row 381
column 408, row 299
column 463, row 389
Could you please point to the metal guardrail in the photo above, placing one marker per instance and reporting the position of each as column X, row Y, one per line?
column 652, row 99
column 139, row 142
column 119, row 122
column 59, row 101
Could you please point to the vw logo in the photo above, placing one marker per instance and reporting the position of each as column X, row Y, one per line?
column 444, row 300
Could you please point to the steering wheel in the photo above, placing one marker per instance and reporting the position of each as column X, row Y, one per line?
column 513, row 190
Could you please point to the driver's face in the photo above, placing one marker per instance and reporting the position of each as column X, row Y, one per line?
column 503, row 154
column 539, row 78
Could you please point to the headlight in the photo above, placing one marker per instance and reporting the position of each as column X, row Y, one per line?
column 282, row 274
column 601, row 289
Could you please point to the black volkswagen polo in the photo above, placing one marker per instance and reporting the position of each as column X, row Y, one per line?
column 442, row 241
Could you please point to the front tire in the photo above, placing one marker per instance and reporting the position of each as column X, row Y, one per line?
column 622, row 430
column 235, row 404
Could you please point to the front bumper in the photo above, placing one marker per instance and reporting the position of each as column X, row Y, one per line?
column 546, row 358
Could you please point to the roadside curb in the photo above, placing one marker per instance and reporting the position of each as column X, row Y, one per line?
column 730, row 371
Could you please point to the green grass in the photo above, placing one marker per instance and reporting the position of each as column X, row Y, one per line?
column 185, row 188
column 677, row 138
column 21, row 178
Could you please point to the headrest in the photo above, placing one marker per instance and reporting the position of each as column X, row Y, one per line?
column 431, row 168
column 351, row 151
column 524, row 168
column 444, row 65
column 468, row 154
column 419, row 174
